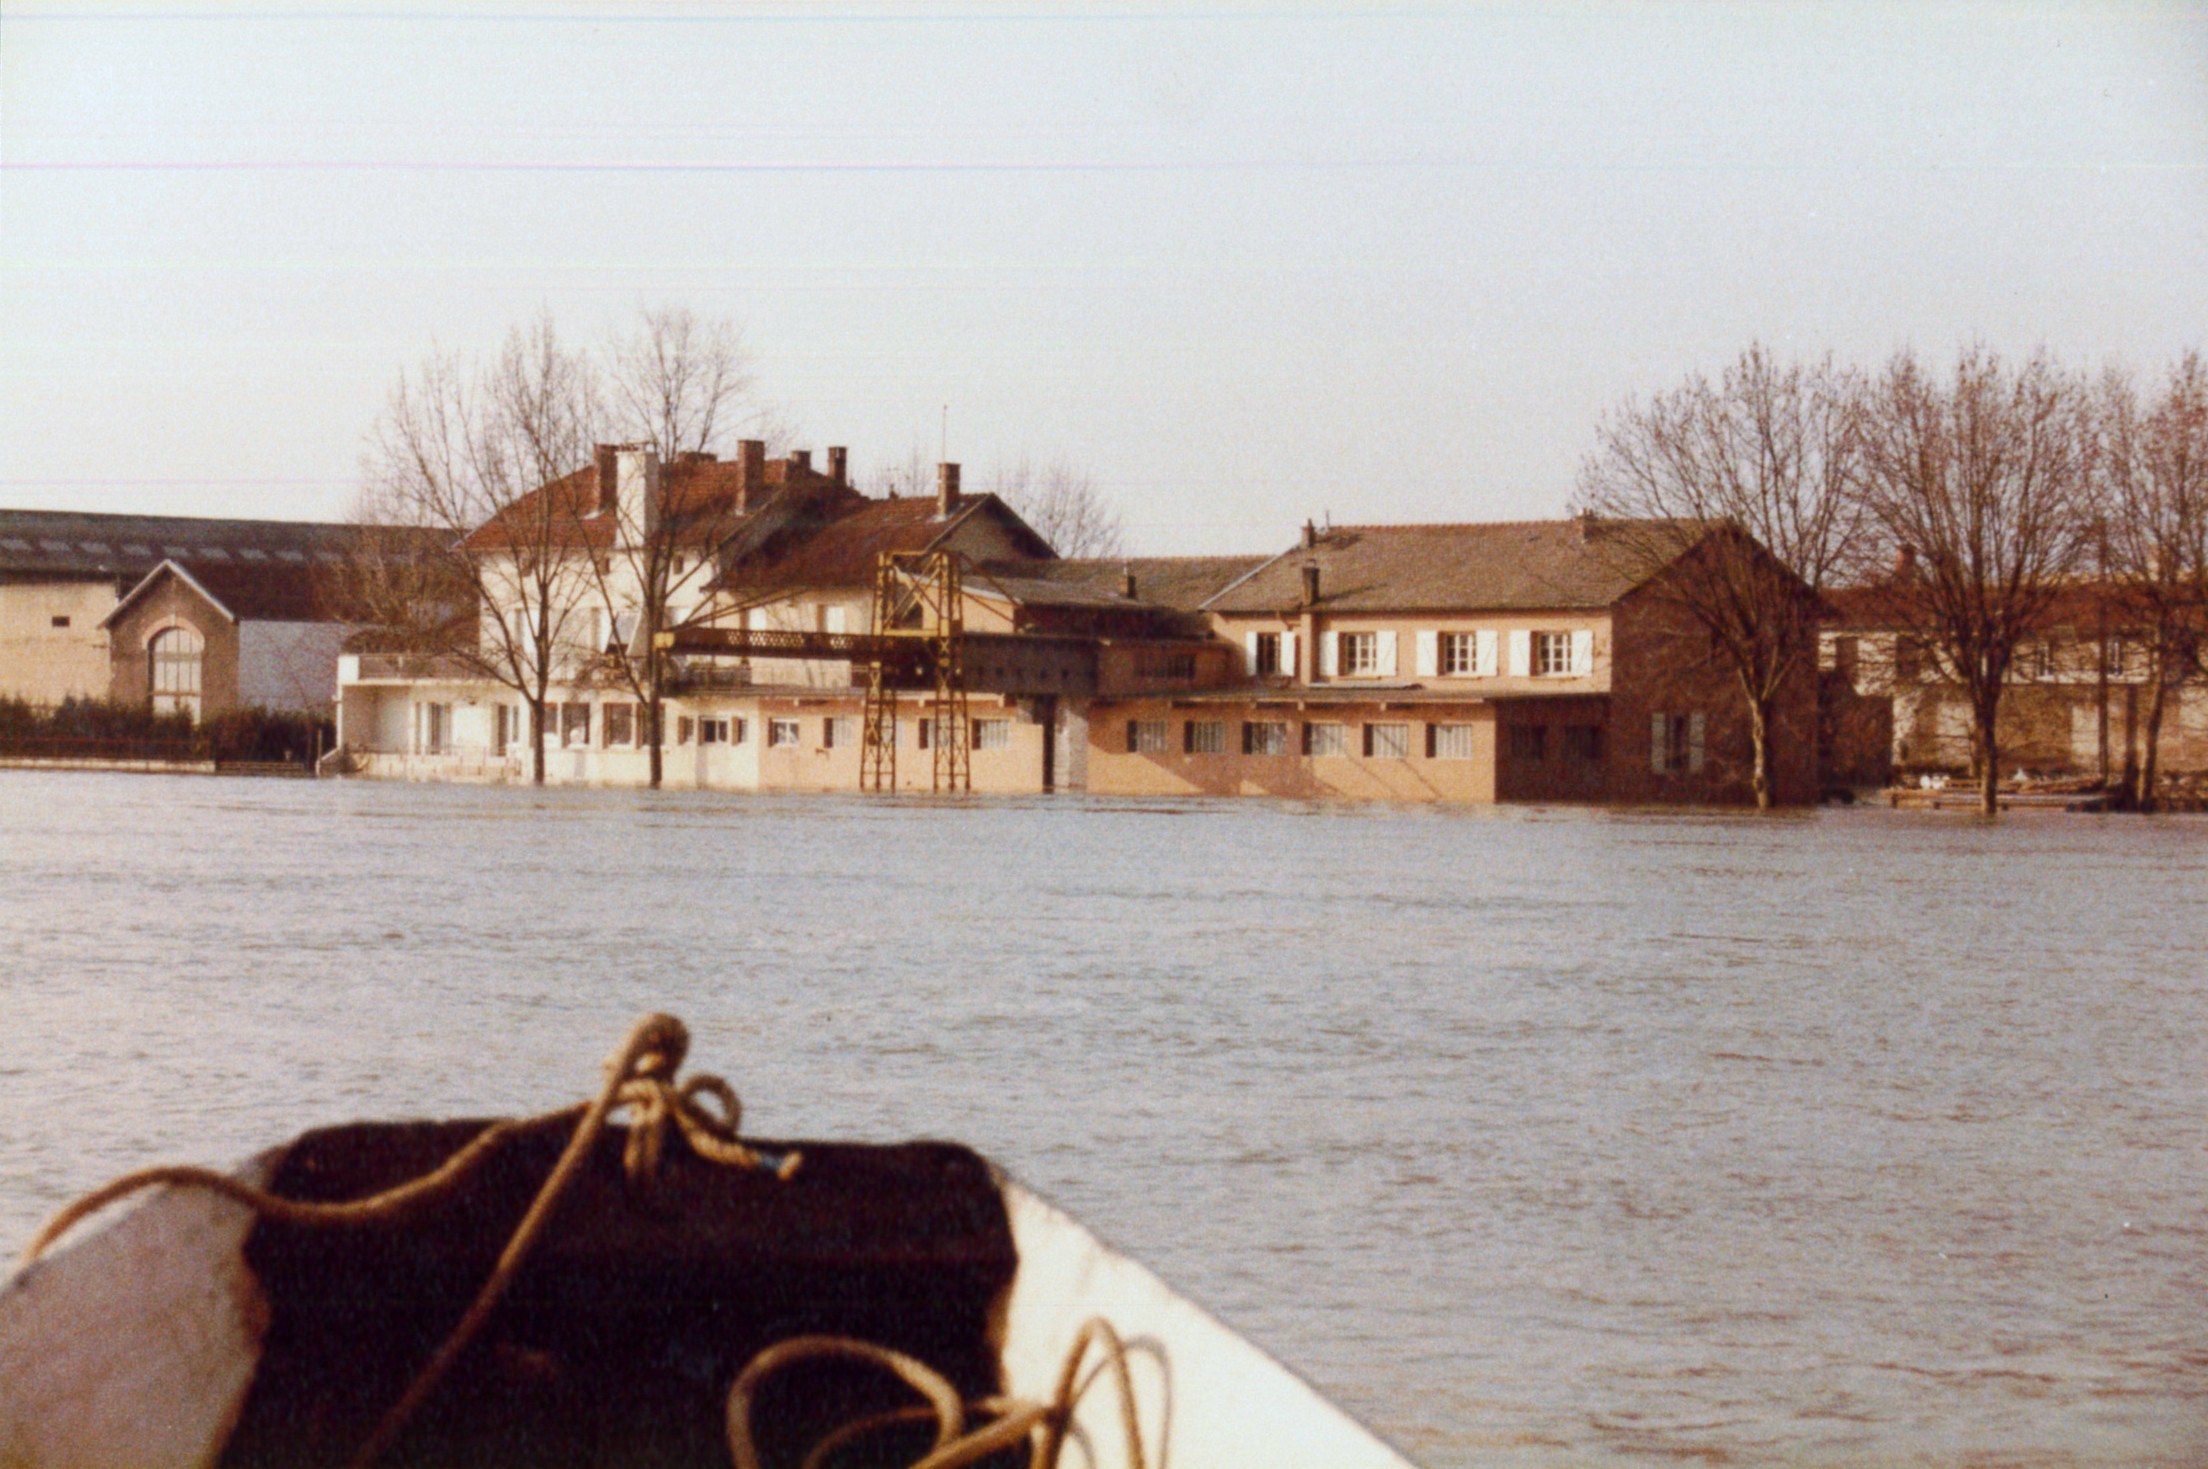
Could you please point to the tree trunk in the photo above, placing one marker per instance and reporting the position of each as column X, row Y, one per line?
column 1759, row 735
column 655, row 720
column 2142, row 796
column 536, row 742
column 1989, row 758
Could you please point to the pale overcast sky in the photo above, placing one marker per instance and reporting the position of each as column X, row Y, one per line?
column 1246, row 265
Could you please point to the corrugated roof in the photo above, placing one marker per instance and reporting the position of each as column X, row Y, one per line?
column 88, row 544
column 1527, row 565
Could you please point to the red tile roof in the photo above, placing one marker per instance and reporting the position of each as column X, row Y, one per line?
column 1529, row 565
column 701, row 492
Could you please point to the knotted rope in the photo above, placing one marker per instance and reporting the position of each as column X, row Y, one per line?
column 1042, row 1425
column 639, row 1077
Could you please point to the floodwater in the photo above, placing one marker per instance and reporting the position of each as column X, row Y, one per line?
column 1530, row 1137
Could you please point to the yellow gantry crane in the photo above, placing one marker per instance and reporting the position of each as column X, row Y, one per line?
column 918, row 605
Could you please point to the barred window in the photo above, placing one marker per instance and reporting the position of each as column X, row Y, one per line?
column 992, row 734
column 839, row 731
column 1264, row 737
column 1325, row 739
column 1448, row 741
column 1528, row 742
column 1146, row 737
column 1204, row 737
column 1583, row 742
column 1387, row 741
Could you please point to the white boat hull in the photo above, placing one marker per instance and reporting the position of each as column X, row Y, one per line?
column 138, row 1344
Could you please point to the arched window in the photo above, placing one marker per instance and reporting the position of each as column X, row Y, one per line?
column 175, row 654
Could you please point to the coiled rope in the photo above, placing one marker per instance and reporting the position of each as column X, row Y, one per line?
column 639, row 1078
column 1043, row 1426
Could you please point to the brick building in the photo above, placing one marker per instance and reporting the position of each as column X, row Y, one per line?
column 247, row 590
column 1471, row 663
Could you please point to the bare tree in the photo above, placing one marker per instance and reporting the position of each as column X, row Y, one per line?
column 675, row 382
column 481, row 454
column 1063, row 504
column 2155, row 509
column 1733, row 501
column 1984, row 483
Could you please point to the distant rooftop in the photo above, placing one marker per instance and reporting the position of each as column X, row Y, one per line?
column 82, row 543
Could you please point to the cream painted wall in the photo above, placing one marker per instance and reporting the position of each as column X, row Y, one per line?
column 46, row 664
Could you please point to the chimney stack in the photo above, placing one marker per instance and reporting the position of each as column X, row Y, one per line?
column 1310, row 535
column 1310, row 583
column 1586, row 526
column 606, row 457
column 801, row 459
column 636, row 488
column 839, row 464
column 1127, row 582
column 1905, row 562
column 946, row 489
column 751, row 472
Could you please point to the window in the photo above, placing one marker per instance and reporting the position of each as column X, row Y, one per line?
column 1146, row 737
column 1460, row 654
column 1583, row 742
column 839, row 731
column 1528, row 742
column 1675, row 743
column 921, row 728
column 1166, row 667
column 739, row 730
column 684, row 727
column 1325, row 739
column 1204, row 737
column 436, row 728
column 1265, row 654
column 620, row 724
column 2039, row 660
column 1552, row 654
column 1448, row 741
column 782, row 734
column 712, row 731
column 175, row 656
column 1264, row 737
column 1360, row 654
column 992, row 734
column 61, row 619
column 1387, row 741
column 575, row 725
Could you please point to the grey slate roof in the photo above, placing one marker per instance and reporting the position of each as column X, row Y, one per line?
column 1173, row 583
column 1505, row 566
column 82, row 544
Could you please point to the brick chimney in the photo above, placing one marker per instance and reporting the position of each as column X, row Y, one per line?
column 1127, row 582
column 946, row 489
column 839, row 464
column 751, row 473
column 1310, row 535
column 801, row 459
column 1310, row 583
column 603, row 457
column 636, row 487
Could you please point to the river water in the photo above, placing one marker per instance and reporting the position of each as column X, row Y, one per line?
column 1529, row 1136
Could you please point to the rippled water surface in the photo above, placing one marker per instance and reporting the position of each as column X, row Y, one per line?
column 1529, row 1136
